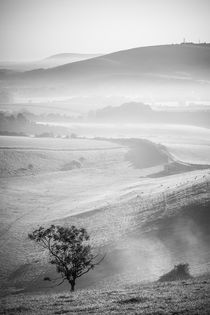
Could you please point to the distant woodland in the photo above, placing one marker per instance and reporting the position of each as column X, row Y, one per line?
column 25, row 123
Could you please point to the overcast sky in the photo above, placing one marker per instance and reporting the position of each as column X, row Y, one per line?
column 35, row 29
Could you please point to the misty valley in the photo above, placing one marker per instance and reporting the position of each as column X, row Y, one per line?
column 117, row 145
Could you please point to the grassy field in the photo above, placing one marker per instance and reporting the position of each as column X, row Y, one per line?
column 31, row 156
column 147, row 221
column 190, row 297
column 53, row 144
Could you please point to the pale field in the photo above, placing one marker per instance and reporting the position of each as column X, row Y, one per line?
column 53, row 143
column 187, row 143
column 159, row 133
column 191, row 153
column 51, row 155
column 117, row 204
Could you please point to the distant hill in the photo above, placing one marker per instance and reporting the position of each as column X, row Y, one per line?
column 176, row 61
column 72, row 56
column 65, row 58
column 49, row 62
column 167, row 71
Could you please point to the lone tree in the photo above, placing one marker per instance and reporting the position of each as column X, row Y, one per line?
column 68, row 249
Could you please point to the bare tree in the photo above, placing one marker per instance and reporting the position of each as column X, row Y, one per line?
column 68, row 249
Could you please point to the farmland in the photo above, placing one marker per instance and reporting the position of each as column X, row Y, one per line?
column 143, row 223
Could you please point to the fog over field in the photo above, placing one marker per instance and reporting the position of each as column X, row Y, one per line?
column 104, row 157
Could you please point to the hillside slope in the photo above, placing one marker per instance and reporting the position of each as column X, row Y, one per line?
column 49, row 62
column 165, row 71
column 178, row 60
column 185, row 297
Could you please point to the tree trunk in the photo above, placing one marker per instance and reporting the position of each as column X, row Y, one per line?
column 72, row 284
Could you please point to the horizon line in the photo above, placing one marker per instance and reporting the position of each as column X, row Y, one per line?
column 102, row 54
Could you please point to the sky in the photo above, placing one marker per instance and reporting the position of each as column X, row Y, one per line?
column 35, row 29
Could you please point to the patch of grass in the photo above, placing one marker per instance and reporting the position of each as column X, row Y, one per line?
column 133, row 300
column 142, row 299
column 63, row 297
column 58, row 303
column 15, row 310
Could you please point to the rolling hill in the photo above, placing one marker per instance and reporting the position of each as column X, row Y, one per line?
column 107, row 188
column 49, row 62
column 167, row 71
column 177, row 61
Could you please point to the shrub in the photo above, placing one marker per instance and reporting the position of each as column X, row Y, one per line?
column 179, row 272
column 81, row 159
column 71, row 165
column 47, row 279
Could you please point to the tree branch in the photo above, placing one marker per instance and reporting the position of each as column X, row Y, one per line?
column 81, row 274
column 61, row 282
column 52, row 253
column 56, row 285
column 91, row 267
